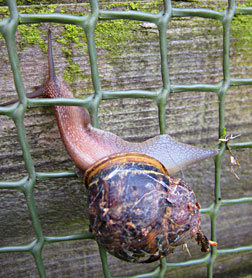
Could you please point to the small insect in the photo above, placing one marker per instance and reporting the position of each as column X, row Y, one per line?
column 204, row 242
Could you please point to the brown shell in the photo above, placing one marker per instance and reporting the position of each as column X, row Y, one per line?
column 137, row 212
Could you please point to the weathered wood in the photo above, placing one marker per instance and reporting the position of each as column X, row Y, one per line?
column 128, row 58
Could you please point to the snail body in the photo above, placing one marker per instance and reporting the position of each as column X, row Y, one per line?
column 137, row 211
column 86, row 145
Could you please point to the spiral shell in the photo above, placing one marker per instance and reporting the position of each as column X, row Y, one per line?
column 137, row 212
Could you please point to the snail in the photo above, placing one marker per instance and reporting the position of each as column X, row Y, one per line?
column 138, row 212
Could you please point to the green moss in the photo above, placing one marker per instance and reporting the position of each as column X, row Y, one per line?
column 73, row 34
column 242, row 32
column 32, row 34
column 37, row 9
column 219, row 5
column 144, row 6
column 33, row 2
column 4, row 12
column 72, row 37
column 109, row 34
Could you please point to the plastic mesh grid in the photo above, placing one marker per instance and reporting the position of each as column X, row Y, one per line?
column 88, row 22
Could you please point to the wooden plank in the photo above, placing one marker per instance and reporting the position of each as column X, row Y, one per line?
column 128, row 58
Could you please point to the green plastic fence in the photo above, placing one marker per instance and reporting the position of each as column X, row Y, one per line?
column 88, row 22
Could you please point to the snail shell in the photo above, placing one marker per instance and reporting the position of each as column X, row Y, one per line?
column 137, row 212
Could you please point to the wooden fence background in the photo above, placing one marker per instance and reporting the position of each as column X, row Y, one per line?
column 128, row 58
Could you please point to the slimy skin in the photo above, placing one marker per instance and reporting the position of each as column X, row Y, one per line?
column 87, row 145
